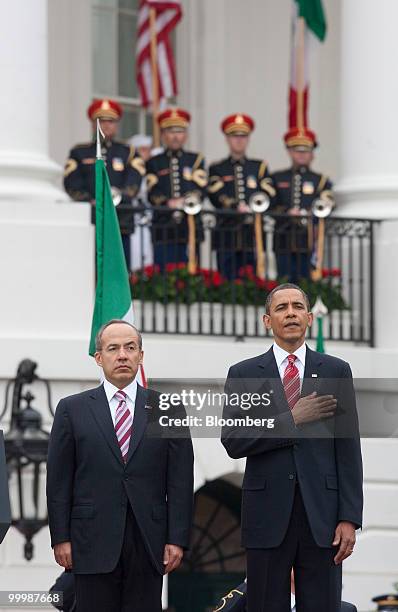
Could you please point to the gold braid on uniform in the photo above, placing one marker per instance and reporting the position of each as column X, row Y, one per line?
column 138, row 164
column 70, row 166
column 199, row 177
column 327, row 194
column 229, row 596
column 266, row 185
column 151, row 181
column 215, row 184
column 262, row 169
column 198, row 161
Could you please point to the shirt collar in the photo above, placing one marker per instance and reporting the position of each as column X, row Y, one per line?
column 280, row 354
column 130, row 390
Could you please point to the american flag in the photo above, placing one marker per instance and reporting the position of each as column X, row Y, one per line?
column 168, row 14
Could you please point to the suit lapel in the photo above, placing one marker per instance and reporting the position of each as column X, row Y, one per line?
column 313, row 363
column 268, row 364
column 312, row 372
column 139, row 422
column 102, row 414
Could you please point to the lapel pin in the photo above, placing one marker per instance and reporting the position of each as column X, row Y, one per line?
column 148, row 407
column 314, row 375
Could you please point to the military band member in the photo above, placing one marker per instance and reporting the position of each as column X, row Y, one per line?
column 232, row 181
column 171, row 176
column 141, row 242
column 387, row 603
column 125, row 168
column 297, row 188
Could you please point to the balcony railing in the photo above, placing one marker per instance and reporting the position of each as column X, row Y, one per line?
column 226, row 298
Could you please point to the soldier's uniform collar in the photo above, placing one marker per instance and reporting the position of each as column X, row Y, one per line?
column 300, row 169
column 171, row 153
column 240, row 161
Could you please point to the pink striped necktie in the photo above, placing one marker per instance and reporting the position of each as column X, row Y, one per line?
column 123, row 424
column 291, row 382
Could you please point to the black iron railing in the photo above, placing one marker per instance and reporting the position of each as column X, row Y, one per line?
column 225, row 295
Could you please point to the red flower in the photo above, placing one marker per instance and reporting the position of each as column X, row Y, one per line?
column 180, row 284
column 326, row 272
column 246, row 271
column 217, row 279
column 271, row 284
column 171, row 267
column 149, row 271
column 261, row 283
column 134, row 279
column 238, row 281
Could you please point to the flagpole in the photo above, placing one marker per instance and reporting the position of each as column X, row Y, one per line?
column 98, row 141
column 155, row 77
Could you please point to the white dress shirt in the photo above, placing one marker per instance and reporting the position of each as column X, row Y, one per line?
column 281, row 358
column 130, row 391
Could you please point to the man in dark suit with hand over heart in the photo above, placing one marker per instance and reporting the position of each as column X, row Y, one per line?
column 119, row 486
column 302, row 488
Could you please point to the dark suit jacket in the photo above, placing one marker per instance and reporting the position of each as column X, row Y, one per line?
column 89, row 487
column 236, row 600
column 325, row 457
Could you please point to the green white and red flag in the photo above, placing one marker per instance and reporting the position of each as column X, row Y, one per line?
column 308, row 31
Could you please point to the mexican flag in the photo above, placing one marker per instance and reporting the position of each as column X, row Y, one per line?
column 308, row 31
column 113, row 294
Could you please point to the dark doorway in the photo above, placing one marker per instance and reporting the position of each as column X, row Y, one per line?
column 216, row 561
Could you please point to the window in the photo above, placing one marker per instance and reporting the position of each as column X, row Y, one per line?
column 113, row 61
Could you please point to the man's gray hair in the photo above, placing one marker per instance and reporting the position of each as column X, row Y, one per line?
column 281, row 288
column 98, row 337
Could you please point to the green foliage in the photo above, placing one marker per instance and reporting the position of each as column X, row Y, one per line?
column 176, row 285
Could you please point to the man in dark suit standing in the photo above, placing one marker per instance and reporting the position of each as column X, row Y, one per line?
column 119, row 490
column 302, row 488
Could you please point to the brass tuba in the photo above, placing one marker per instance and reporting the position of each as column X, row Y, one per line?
column 192, row 203
column 259, row 202
column 192, row 206
column 322, row 207
column 116, row 195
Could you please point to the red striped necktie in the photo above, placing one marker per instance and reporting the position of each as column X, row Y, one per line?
column 123, row 424
column 291, row 382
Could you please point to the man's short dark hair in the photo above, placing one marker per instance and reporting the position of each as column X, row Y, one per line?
column 98, row 337
column 281, row 288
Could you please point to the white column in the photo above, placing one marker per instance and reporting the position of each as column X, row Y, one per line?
column 26, row 172
column 369, row 101
column 46, row 245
